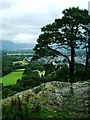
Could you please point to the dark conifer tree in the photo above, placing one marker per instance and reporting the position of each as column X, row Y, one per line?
column 66, row 33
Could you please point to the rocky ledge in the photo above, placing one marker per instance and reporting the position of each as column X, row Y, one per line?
column 59, row 95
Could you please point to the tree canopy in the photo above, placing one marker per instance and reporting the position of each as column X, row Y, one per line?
column 66, row 33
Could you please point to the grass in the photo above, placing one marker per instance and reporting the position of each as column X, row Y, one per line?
column 21, row 62
column 40, row 73
column 12, row 110
column 20, row 70
column 11, row 78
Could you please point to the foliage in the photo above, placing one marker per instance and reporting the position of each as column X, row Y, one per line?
column 62, row 74
column 64, row 35
column 31, row 78
column 7, row 66
column 67, row 33
column 27, row 80
column 49, row 68
column 11, row 60
column 20, row 110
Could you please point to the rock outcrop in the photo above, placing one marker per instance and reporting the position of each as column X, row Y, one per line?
column 59, row 95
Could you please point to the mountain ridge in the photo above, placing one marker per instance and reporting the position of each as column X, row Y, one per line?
column 9, row 45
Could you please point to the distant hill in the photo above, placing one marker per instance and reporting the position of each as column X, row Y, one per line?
column 8, row 45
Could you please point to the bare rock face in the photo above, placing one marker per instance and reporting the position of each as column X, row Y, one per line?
column 60, row 95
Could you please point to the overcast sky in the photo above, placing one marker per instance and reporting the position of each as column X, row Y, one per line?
column 21, row 20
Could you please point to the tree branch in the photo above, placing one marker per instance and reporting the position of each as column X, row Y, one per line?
column 58, row 52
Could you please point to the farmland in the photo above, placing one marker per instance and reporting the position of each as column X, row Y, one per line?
column 11, row 78
column 13, row 65
column 22, row 63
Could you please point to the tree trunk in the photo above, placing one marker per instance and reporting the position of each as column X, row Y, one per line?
column 87, row 60
column 72, row 65
column 46, row 72
column 88, row 55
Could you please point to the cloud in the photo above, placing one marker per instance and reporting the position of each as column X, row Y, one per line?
column 21, row 20
column 6, row 3
column 24, row 37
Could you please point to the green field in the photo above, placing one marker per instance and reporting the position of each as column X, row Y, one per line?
column 40, row 73
column 21, row 62
column 11, row 78
column 19, row 54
